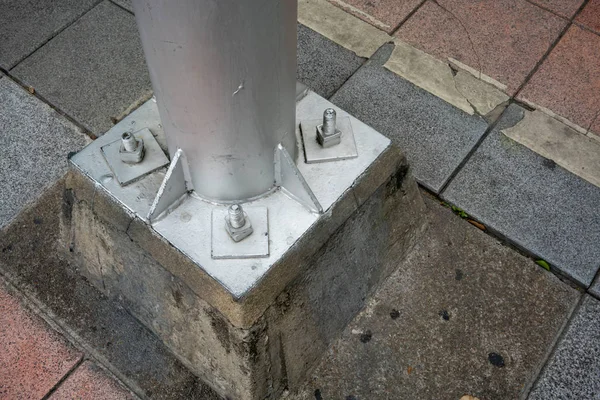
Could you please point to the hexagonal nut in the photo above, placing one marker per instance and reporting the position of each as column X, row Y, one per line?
column 239, row 234
column 328, row 140
column 132, row 157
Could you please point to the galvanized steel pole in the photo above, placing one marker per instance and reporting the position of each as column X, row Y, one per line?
column 224, row 77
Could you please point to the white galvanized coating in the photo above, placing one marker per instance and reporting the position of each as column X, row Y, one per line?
column 188, row 227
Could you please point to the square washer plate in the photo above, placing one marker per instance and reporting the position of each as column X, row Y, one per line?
column 154, row 158
column 254, row 246
column 315, row 153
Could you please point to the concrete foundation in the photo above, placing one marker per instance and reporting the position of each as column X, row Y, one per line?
column 256, row 345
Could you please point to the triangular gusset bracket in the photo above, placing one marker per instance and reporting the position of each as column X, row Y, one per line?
column 173, row 189
column 291, row 181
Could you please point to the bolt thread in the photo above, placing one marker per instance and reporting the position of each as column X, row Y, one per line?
column 236, row 216
column 329, row 120
column 129, row 141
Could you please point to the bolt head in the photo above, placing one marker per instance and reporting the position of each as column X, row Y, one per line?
column 239, row 234
column 328, row 140
column 132, row 157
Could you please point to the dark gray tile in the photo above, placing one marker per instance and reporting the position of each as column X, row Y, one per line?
column 126, row 4
column 324, row 65
column 35, row 141
column 529, row 199
column 27, row 24
column 462, row 315
column 92, row 70
column 595, row 288
column 435, row 135
column 573, row 371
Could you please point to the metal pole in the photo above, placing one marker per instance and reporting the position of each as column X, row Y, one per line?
column 224, row 77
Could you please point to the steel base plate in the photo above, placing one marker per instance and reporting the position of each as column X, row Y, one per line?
column 254, row 246
column 154, row 158
column 315, row 153
column 188, row 226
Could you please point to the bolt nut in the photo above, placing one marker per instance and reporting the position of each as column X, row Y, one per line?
column 237, row 223
column 132, row 149
column 327, row 133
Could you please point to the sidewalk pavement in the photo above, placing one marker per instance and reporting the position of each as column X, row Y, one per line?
column 495, row 102
column 37, row 362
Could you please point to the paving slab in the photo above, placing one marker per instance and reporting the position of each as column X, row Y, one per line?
column 385, row 14
column 31, row 256
column 25, row 25
column 558, row 142
column 564, row 8
column 462, row 315
column 568, row 82
column 93, row 70
column 35, row 142
column 89, row 381
column 324, row 65
column 590, row 16
column 341, row 27
column 532, row 201
column 435, row 135
column 34, row 357
column 503, row 39
column 573, row 370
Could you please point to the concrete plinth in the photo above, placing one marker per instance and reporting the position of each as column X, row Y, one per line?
column 253, row 328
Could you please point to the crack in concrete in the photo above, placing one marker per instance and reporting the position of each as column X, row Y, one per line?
column 587, row 131
column 466, row 31
column 477, row 112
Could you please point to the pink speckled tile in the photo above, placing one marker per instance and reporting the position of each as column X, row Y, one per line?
column 568, row 82
column 590, row 16
column 33, row 357
column 595, row 128
column 503, row 39
column 384, row 14
column 90, row 382
column 564, row 8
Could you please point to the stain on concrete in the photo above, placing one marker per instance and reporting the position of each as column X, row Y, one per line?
column 220, row 327
column 445, row 315
column 366, row 336
column 496, row 360
column 318, row 395
column 459, row 275
column 548, row 163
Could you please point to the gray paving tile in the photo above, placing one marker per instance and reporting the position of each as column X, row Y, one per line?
column 35, row 141
column 532, row 201
column 435, row 135
column 125, row 4
column 573, row 371
column 595, row 288
column 27, row 24
column 92, row 70
column 324, row 65
column 459, row 301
